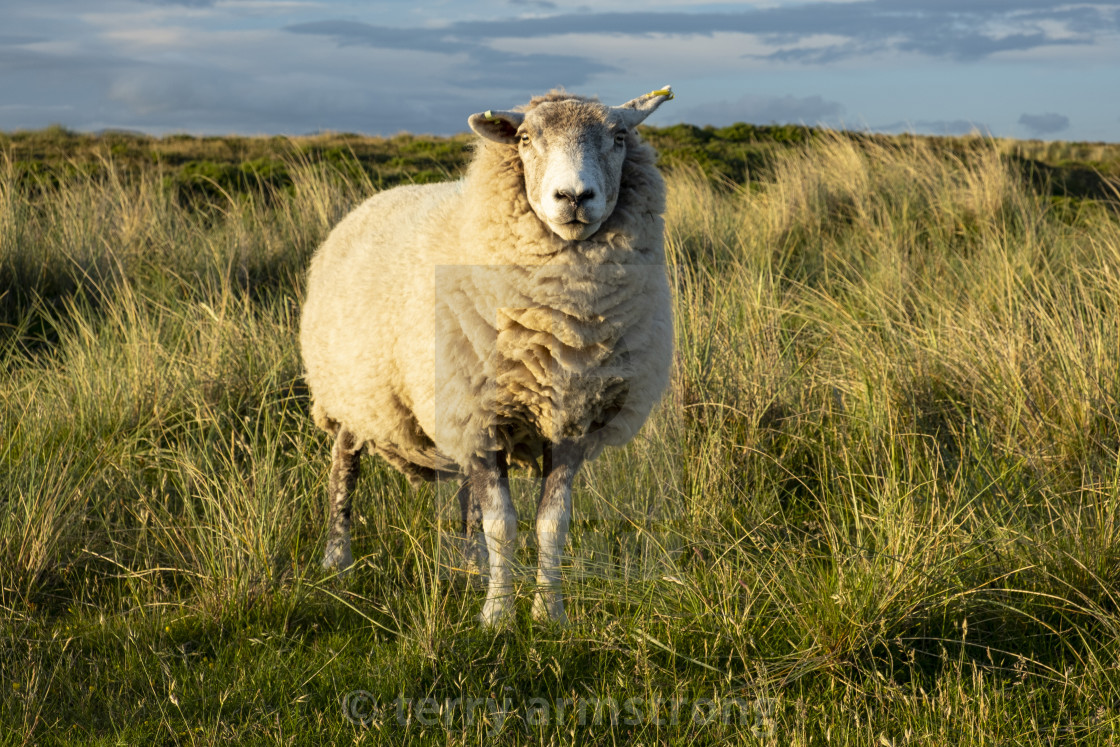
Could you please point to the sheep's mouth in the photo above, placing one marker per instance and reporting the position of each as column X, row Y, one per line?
column 575, row 229
column 571, row 225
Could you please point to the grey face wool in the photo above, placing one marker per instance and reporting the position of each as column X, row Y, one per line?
column 522, row 312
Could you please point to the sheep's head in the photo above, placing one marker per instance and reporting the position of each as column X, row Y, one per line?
column 572, row 150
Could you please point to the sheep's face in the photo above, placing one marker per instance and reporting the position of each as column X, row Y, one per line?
column 572, row 154
column 572, row 151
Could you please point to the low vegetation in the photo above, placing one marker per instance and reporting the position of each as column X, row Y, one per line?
column 880, row 504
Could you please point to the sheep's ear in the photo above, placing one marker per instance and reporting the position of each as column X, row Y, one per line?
column 501, row 127
column 635, row 111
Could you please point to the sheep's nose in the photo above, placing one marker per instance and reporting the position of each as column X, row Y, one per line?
column 575, row 200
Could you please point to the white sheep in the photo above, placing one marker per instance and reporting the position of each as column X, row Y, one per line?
column 522, row 311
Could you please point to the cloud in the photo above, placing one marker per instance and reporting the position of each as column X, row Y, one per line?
column 166, row 100
column 234, row 81
column 292, row 66
column 957, row 29
column 936, row 127
column 185, row 3
column 1044, row 124
column 484, row 66
column 975, row 46
column 19, row 39
column 809, row 110
column 814, row 34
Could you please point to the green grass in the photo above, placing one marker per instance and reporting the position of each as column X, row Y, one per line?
column 201, row 169
column 879, row 504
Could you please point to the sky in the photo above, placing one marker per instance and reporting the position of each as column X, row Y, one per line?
column 1010, row 68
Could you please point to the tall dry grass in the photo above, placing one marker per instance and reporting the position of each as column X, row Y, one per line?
column 144, row 346
column 881, row 493
column 901, row 383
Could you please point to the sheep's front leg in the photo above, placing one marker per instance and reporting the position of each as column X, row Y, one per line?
column 474, row 539
column 345, row 468
column 489, row 478
column 561, row 462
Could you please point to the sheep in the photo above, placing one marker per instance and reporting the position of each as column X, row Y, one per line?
column 523, row 311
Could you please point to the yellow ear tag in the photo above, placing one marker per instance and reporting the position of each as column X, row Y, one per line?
column 489, row 114
column 662, row 92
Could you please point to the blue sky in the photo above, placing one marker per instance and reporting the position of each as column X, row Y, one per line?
column 1015, row 68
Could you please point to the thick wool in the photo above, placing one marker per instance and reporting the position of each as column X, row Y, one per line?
column 446, row 321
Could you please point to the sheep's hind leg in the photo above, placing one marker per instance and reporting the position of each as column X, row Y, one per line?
column 474, row 540
column 561, row 462
column 345, row 468
column 489, row 479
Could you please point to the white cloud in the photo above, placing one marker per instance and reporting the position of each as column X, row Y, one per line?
column 148, row 37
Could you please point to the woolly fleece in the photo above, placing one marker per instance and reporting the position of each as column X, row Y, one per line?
column 444, row 321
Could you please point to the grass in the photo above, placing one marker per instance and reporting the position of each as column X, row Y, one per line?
column 879, row 504
column 204, row 169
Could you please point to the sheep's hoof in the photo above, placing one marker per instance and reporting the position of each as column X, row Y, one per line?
column 496, row 610
column 338, row 558
column 549, row 607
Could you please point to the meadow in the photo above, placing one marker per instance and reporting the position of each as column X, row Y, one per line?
column 880, row 504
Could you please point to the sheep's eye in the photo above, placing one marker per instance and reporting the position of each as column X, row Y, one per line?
column 524, row 138
column 620, row 137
